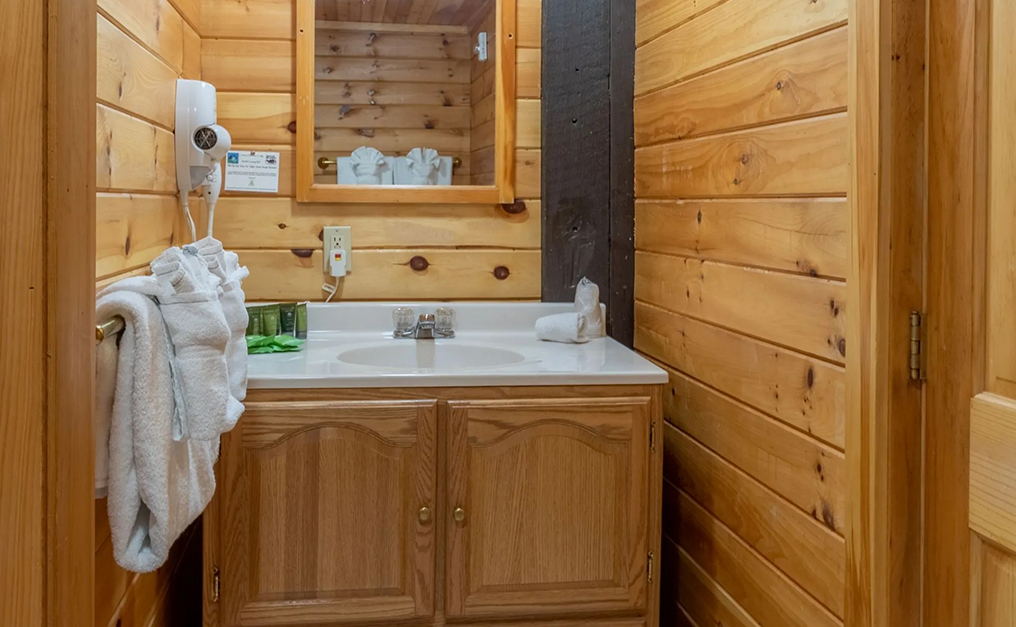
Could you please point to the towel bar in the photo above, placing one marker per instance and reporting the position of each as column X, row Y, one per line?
column 108, row 329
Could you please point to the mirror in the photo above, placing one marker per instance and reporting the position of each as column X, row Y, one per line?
column 405, row 102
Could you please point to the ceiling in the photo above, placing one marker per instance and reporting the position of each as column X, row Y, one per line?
column 444, row 12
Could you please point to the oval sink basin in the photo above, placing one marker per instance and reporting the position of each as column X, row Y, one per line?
column 428, row 355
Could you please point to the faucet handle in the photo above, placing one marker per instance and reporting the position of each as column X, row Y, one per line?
column 404, row 320
column 445, row 325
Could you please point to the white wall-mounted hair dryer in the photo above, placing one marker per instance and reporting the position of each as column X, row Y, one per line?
column 200, row 145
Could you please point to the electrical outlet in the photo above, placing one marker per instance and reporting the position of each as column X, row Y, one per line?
column 338, row 237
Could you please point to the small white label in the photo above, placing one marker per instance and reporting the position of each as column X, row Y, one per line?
column 256, row 172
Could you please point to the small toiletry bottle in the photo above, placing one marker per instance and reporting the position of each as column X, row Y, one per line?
column 301, row 321
column 270, row 320
column 287, row 319
column 254, row 321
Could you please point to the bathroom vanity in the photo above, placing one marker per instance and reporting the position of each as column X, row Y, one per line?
column 490, row 477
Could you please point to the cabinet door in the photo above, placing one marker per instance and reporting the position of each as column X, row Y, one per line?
column 322, row 513
column 547, row 507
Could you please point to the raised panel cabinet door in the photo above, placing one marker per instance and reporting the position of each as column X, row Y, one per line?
column 327, row 513
column 548, row 509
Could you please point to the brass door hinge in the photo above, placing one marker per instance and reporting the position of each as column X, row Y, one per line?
column 918, row 346
column 216, row 583
column 652, row 436
column 649, row 566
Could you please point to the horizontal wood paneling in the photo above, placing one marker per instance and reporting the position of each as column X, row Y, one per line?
column 249, row 65
column 757, row 585
column 405, row 70
column 655, row 17
column 155, row 23
column 256, row 118
column 805, row 393
column 810, row 554
column 733, row 30
column 804, row 313
column 799, row 80
column 250, row 19
column 741, row 177
column 529, row 68
column 392, row 93
column 131, row 78
column 807, row 157
column 805, row 472
column 132, row 154
column 698, row 594
column 282, row 223
column 807, row 236
column 529, row 19
column 134, row 229
column 386, row 275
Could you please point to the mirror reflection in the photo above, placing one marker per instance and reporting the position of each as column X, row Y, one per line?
column 404, row 92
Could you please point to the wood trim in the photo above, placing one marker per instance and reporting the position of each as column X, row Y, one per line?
column 23, row 306
column 576, row 147
column 361, row 27
column 70, row 297
column 952, row 303
column 620, row 292
column 504, row 189
column 884, row 283
column 505, row 104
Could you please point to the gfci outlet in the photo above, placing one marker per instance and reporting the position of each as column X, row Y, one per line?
column 338, row 237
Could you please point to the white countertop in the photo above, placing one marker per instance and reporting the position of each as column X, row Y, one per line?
column 503, row 330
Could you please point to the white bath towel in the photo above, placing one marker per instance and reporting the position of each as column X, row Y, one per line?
column 226, row 266
column 424, row 164
column 568, row 328
column 367, row 164
column 198, row 332
column 157, row 486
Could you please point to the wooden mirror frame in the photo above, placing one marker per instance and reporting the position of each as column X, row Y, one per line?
column 503, row 190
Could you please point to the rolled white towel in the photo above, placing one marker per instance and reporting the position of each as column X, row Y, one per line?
column 226, row 266
column 568, row 328
column 189, row 302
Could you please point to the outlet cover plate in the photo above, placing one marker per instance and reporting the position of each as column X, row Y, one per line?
column 338, row 237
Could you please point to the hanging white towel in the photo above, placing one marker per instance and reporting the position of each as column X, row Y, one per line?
column 157, row 486
column 198, row 332
column 225, row 265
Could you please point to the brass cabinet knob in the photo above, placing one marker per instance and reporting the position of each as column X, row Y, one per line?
column 424, row 514
column 459, row 514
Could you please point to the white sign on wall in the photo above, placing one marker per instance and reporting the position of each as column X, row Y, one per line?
column 252, row 172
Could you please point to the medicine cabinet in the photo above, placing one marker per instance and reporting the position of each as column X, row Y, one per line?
column 405, row 102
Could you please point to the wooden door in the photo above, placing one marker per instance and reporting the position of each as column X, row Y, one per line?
column 993, row 410
column 547, row 507
column 322, row 513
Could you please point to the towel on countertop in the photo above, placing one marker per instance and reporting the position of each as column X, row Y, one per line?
column 225, row 265
column 156, row 486
column 198, row 332
column 568, row 328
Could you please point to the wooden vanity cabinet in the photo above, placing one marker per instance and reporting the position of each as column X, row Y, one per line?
column 378, row 507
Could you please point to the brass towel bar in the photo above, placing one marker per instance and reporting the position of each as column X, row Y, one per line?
column 108, row 328
column 324, row 163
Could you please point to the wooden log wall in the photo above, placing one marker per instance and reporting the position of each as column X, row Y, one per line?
column 481, row 89
column 741, row 174
column 400, row 251
column 143, row 47
column 418, row 82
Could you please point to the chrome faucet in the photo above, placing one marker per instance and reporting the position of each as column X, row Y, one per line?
column 438, row 325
